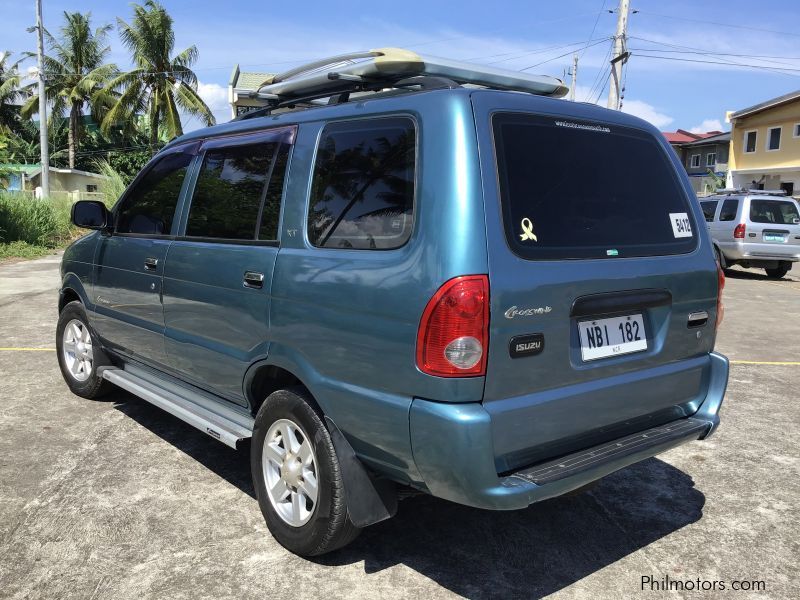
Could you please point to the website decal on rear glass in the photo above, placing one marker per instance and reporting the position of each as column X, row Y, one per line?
column 681, row 226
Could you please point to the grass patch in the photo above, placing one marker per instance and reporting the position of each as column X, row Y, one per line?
column 22, row 250
column 39, row 222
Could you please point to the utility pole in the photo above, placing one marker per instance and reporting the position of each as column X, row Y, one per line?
column 45, row 157
column 574, row 77
column 620, row 55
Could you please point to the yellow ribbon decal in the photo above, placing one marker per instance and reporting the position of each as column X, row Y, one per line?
column 527, row 228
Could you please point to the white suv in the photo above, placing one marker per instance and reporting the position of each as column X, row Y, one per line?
column 754, row 229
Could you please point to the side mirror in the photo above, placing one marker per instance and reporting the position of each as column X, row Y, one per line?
column 90, row 214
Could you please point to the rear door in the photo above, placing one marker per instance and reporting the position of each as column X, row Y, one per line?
column 773, row 227
column 596, row 262
column 218, row 275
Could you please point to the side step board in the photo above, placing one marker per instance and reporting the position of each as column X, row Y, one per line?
column 584, row 460
column 220, row 422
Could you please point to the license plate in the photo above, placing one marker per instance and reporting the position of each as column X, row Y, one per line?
column 774, row 237
column 614, row 336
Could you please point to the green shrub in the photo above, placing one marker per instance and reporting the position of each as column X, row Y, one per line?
column 40, row 222
column 114, row 185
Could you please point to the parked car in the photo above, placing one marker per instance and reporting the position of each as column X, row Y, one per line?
column 446, row 290
column 754, row 229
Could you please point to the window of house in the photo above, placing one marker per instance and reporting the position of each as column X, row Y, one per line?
column 774, row 138
column 238, row 192
column 709, row 208
column 796, row 132
column 362, row 192
column 695, row 161
column 91, row 188
column 149, row 206
column 750, row 141
column 711, row 159
column 729, row 209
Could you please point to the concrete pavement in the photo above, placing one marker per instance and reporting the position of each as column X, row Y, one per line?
column 117, row 499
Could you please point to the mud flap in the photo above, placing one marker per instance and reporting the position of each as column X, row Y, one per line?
column 370, row 500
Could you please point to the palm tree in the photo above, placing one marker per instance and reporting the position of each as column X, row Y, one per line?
column 159, row 86
column 10, row 92
column 74, row 73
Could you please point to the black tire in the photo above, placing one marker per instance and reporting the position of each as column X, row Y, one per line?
column 720, row 259
column 780, row 271
column 92, row 386
column 329, row 526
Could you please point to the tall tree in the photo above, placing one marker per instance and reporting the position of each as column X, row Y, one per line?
column 10, row 93
column 74, row 73
column 159, row 86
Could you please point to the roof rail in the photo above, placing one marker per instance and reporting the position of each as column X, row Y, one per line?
column 391, row 68
column 730, row 191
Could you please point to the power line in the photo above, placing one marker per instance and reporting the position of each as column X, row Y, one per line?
column 705, row 22
column 594, row 28
column 693, row 50
column 724, row 64
column 562, row 55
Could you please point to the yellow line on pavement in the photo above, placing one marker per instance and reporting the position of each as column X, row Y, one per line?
column 766, row 362
column 27, row 349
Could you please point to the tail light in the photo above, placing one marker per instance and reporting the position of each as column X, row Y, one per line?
column 738, row 233
column 720, row 307
column 453, row 335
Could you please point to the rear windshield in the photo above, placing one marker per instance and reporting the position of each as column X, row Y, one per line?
column 571, row 189
column 778, row 212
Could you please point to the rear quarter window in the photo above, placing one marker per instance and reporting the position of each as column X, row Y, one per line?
column 362, row 192
column 729, row 209
column 576, row 190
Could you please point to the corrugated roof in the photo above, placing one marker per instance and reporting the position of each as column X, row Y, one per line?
column 22, row 168
column 250, row 80
column 766, row 104
column 712, row 139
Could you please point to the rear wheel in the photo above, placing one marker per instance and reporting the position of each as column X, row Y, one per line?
column 78, row 353
column 778, row 272
column 297, row 477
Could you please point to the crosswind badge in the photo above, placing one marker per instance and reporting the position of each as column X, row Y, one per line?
column 527, row 231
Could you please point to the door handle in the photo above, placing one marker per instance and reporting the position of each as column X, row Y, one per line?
column 253, row 279
column 150, row 264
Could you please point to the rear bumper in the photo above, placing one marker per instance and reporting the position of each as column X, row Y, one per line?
column 763, row 252
column 453, row 451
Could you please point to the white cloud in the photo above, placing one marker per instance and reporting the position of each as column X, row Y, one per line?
column 708, row 125
column 214, row 95
column 216, row 98
column 637, row 108
column 648, row 112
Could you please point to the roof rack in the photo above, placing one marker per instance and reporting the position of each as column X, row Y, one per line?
column 387, row 69
column 730, row 191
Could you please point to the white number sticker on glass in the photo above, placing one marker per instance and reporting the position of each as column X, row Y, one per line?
column 681, row 226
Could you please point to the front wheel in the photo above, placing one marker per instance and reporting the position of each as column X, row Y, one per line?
column 79, row 354
column 778, row 272
column 297, row 477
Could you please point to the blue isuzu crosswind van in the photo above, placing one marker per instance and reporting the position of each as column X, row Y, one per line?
column 406, row 273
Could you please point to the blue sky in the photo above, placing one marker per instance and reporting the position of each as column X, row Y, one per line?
column 274, row 36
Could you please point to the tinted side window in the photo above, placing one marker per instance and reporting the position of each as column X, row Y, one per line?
column 149, row 206
column 709, row 208
column 729, row 209
column 230, row 190
column 268, row 230
column 362, row 193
